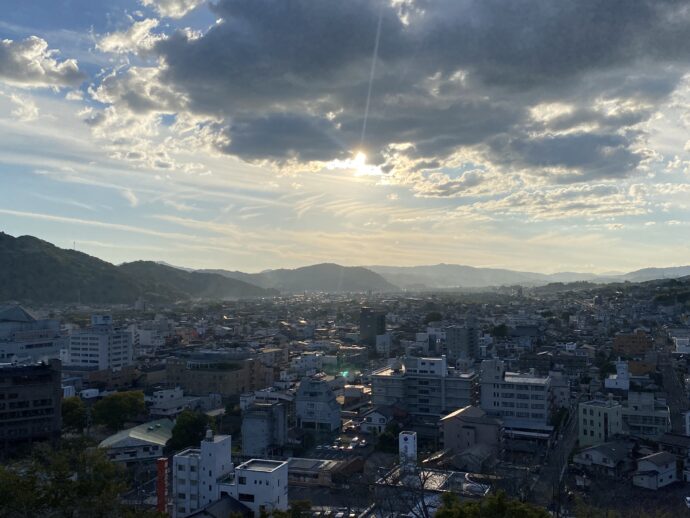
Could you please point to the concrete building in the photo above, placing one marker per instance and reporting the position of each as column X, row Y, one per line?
column 655, row 471
column 371, row 324
column 599, row 420
column 264, row 429
column 423, row 386
column 645, row 416
column 196, row 472
column 142, row 443
column 100, row 346
column 26, row 339
column 224, row 375
column 635, row 344
column 205, row 475
column 316, row 407
column 468, row 427
column 522, row 400
column 620, row 380
column 462, row 342
column 30, row 399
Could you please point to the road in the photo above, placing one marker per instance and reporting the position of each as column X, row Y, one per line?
column 546, row 490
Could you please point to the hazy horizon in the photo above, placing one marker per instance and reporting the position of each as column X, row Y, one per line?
column 251, row 135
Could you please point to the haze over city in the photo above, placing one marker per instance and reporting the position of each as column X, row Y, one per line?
column 260, row 134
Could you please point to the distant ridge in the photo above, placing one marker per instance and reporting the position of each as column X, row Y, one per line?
column 32, row 270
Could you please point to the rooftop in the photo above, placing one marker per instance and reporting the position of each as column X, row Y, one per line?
column 261, row 465
column 157, row 432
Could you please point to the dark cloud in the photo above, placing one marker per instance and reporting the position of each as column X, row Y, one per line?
column 292, row 77
column 31, row 63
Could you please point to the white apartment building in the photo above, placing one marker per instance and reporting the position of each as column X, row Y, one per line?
column 206, row 474
column 600, row 420
column 24, row 338
column 423, row 386
column 316, row 407
column 620, row 380
column 100, row 346
column 522, row 400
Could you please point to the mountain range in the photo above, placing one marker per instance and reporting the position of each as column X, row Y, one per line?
column 33, row 270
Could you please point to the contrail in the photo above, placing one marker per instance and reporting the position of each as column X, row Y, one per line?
column 371, row 76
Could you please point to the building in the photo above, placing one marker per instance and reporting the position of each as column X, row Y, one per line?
column 264, row 429
column 100, row 346
column 655, row 471
column 611, row 459
column 30, row 399
column 372, row 323
column 462, row 342
column 26, row 339
column 227, row 375
column 375, row 420
column 600, row 420
column 634, row 344
column 261, row 485
column 196, row 472
column 468, row 427
column 522, row 400
column 423, row 386
column 645, row 416
column 171, row 402
column 316, row 407
column 620, row 380
column 143, row 443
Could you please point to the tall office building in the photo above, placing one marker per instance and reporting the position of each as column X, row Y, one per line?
column 26, row 339
column 30, row 397
column 101, row 346
column 462, row 342
column 423, row 386
column 372, row 323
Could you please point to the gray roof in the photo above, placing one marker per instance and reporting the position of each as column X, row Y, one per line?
column 659, row 459
column 15, row 313
column 156, row 432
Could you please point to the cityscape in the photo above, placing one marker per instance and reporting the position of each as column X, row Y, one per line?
column 344, row 259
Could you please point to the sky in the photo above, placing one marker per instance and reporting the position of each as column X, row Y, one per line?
column 255, row 134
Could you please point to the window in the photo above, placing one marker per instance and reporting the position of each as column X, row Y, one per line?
column 245, row 497
column 242, row 480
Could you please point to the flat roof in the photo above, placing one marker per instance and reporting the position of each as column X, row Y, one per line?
column 512, row 377
column 261, row 465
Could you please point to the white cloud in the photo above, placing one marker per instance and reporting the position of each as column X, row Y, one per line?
column 129, row 195
column 172, row 8
column 30, row 63
column 135, row 39
column 25, row 109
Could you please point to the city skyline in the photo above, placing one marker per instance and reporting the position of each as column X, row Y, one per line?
column 232, row 135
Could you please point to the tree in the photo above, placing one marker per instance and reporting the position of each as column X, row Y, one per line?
column 434, row 316
column 70, row 482
column 500, row 331
column 496, row 506
column 388, row 440
column 190, row 428
column 73, row 414
column 116, row 409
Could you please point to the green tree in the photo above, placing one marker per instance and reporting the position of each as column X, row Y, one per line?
column 73, row 414
column 500, row 331
column 190, row 428
column 434, row 316
column 116, row 409
column 495, row 506
column 71, row 482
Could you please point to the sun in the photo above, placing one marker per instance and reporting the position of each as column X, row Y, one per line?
column 360, row 159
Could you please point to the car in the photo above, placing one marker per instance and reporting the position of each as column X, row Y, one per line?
column 320, row 447
column 355, row 439
column 687, row 502
column 362, row 443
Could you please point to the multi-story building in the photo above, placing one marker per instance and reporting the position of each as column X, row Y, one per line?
column 522, row 400
column 371, row 324
column 100, row 346
column 196, row 472
column 264, row 429
column 635, row 344
column 26, row 339
column 316, row 407
column 599, row 420
column 468, row 427
column 423, row 386
column 462, row 342
column 645, row 416
column 201, row 375
column 30, row 397
column 201, row 476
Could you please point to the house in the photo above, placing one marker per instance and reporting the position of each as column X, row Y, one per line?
column 375, row 420
column 610, row 459
column 143, row 443
column 655, row 471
